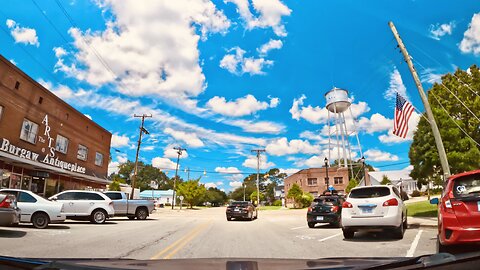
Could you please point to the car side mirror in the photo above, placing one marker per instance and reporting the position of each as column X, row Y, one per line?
column 434, row 201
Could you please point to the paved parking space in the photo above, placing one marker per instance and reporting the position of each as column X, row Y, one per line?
column 207, row 233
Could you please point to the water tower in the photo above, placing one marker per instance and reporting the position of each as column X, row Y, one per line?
column 338, row 103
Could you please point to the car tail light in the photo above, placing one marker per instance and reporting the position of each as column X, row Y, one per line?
column 334, row 209
column 6, row 202
column 347, row 205
column 391, row 202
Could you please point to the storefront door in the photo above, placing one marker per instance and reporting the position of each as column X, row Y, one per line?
column 38, row 185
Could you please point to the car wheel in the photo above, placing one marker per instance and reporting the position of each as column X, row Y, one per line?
column 311, row 224
column 141, row 213
column 251, row 217
column 131, row 217
column 398, row 232
column 442, row 248
column 98, row 216
column 348, row 234
column 40, row 220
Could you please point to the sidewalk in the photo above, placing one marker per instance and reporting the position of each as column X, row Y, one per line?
column 428, row 222
column 420, row 199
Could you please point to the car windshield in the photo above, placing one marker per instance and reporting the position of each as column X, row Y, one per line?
column 371, row 192
column 298, row 129
column 467, row 186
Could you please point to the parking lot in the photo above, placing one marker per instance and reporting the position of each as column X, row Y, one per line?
column 201, row 233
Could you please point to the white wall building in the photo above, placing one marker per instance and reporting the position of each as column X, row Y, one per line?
column 397, row 178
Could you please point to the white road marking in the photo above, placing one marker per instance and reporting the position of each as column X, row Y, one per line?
column 326, row 238
column 296, row 228
column 414, row 245
column 305, row 237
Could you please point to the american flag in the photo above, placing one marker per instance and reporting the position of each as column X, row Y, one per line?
column 403, row 111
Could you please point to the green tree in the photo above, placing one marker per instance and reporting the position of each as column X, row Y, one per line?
column 192, row 191
column 462, row 153
column 295, row 193
column 385, row 180
column 351, row 184
column 215, row 196
column 146, row 173
column 253, row 197
column 306, row 199
column 114, row 186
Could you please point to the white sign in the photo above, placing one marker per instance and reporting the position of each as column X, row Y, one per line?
column 180, row 197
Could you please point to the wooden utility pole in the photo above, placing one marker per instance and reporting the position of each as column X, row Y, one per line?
column 258, row 151
column 436, row 134
column 142, row 130
column 179, row 152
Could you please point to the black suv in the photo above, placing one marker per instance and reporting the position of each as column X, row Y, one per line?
column 327, row 208
column 241, row 209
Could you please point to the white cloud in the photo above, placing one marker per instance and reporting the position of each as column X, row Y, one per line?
column 88, row 116
column 408, row 168
column 395, row 85
column 119, row 140
column 378, row 155
column 219, row 183
column 317, row 161
column 238, row 64
column 251, row 162
column 272, row 44
column 389, row 138
column 191, row 139
column 227, row 170
column 13, row 62
column 376, row 123
column 471, row 38
column 151, row 48
column 163, row 163
column 281, row 147
column 257, row 127
column 317, row 115
column 210, row 184
column 113, row 167
column 122, row 158
column 235, row 184
column 439, row 30
column 242, row 106
column 148, row 148
column 270, row 14
column 427, row 76
column 23, row 35
column 289, row 171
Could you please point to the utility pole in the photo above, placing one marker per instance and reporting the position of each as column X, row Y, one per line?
column 142, row 130
column 436, row 134
column 258, row 151
column 179, row 152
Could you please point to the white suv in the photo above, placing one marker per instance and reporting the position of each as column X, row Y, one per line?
column 80, row 204
column 374, row 208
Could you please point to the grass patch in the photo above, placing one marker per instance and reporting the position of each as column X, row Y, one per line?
column 422, row 209
column 269, row 207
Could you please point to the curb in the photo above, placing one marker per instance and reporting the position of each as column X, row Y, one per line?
column 423, row 225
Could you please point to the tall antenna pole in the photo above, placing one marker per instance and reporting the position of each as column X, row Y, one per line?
column 258, row 151
column 179, row 152
column 436, row 134
column 142, row 130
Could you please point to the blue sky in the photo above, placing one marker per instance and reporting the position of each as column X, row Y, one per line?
column 223, row 77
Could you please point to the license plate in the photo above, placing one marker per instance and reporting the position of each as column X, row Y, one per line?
column 319, row 218
column 367, row 210
column 236, row 209
column 478, row 206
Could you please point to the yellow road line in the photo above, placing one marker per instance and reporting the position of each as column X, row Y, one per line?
column 179, row 241
column 190, row 238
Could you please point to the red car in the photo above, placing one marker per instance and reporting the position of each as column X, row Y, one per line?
column 459, row 211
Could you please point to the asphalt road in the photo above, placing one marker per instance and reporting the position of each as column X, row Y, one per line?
column 205, row 234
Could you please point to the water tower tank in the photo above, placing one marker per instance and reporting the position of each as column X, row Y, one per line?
column 337, row 100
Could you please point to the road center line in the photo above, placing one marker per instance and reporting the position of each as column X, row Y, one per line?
column 190, row 238
column 296, row 228
column 414, row 245
column 165, row 250
column 326, row 238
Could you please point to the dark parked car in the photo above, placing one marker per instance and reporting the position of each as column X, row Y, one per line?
column 9, row 212
column 241, row 210
column 325, row 209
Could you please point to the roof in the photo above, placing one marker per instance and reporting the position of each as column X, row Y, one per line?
column 156, row 193
column 392, row 175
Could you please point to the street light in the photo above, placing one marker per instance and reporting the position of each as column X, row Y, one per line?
column 326, row 172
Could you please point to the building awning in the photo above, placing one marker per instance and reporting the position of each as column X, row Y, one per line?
column 30, row 164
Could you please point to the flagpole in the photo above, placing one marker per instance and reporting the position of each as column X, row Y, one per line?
column 436, row 133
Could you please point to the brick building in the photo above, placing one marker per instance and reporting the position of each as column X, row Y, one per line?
column 314, row 181
column 45, row 144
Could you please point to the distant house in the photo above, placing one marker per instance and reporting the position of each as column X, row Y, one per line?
column 279, row 193
column 398, row 178
column 160, row 196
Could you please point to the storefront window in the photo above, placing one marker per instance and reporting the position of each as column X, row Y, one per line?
column 15, row 181
column 38, row 185
column 26, row 182
column 5, row 178
column 29, row 131
column 98, row 159
column 61, row 144
column 82, row 152
column 51, row 188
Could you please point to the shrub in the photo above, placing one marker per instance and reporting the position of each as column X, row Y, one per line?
column 277, row 203
column 416, row 193
column 306, row 199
